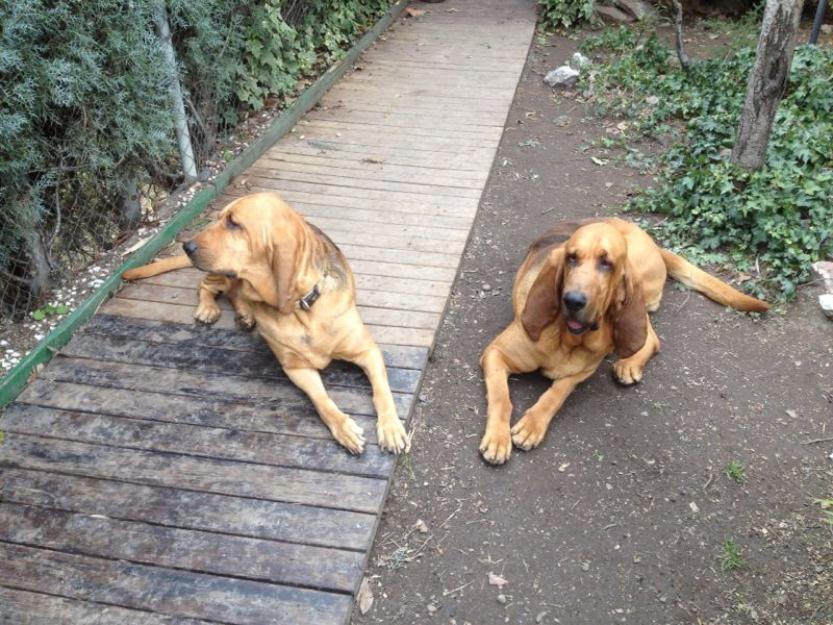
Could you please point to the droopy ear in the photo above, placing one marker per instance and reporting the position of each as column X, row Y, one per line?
column 544, row 298
column 274, row 279
column 628, row 316
column 285, row 266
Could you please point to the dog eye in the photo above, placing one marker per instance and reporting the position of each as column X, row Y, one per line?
column 572, row 259
column 605, row 264
column 231, row 224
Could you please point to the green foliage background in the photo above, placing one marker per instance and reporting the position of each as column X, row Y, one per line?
column 565, row 12
column 84, row 109
column 770, row 224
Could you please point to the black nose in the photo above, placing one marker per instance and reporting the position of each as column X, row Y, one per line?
column 574, row 301
column 190, row 247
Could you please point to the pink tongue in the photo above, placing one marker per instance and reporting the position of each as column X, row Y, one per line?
column 574, row 325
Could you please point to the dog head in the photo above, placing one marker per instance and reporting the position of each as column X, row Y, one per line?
column 588, row 282
column 257, row 238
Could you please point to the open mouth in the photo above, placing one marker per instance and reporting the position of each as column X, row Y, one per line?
column 576, row 327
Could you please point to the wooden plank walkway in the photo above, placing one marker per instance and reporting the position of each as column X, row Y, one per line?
column 161, row 472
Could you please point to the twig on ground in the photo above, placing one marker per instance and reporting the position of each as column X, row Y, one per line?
column 813, row 441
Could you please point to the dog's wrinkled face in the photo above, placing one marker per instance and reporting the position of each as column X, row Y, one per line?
column 228, row 245
column 255, row 239
column 594, row 264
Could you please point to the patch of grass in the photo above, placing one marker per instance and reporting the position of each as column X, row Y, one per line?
column 730, row 557
column 769, row 224
column 735, row 471
column 826, row 506
column 49, row 310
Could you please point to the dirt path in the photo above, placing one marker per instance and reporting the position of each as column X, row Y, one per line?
column 624, row 511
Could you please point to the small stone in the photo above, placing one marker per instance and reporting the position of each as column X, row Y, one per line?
column 585, row 566
column 824, row 270
column 501, row 599
column 486, row 287
column 579, row 61
column 826, row 303
column 612, row 15
column 637, row 8
column 564, row 76
column 563, row 467
column 539, row 618
column 652, row 100
column 694, row 507
column 431, row 608
column 421, row 527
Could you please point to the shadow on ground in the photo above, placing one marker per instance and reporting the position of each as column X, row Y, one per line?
column 624, row 511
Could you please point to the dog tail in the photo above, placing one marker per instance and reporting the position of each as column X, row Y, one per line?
column 160, row 266
column 683, row 271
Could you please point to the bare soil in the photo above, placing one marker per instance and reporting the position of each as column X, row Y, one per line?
column 624, row 511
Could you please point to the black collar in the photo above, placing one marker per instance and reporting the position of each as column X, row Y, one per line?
column 310, row 298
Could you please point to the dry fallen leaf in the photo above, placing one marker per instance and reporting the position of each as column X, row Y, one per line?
column 497, row 580
column 421, row 527
column 135, row 246
column 364, row 598
column 414, row 12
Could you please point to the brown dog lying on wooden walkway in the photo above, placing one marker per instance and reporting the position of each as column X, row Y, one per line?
column 582, row 292
column 290, row 280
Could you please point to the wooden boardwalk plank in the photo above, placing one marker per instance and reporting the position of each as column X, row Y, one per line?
column 330, row 196
column 210, row 475
column 387, row 336
column 168, row 591
column 29, row 608
column 450, row 163
column 175, row 507
column 197, row 440
column 197, row 335
column 205, row 552
column 291, row 418
column 203, row 385
column 222, row 361
column 158, row 289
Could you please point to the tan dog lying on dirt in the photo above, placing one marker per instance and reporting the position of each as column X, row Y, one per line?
column 291, row 281
column 582, row 292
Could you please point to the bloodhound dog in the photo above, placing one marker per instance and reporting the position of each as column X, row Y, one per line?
column 288, row 279
column 582, row 292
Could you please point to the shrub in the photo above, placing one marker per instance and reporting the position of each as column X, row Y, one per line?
column 84, row 110
column 565, row 12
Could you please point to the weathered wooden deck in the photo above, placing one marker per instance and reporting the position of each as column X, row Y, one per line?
column 161, row 472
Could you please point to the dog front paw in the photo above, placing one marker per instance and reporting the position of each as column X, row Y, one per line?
column 245, row 320
column 349, row 435
column 392, row 435
column 496, row 445
column 627, row 372
column 528, row 432
column 207, row 313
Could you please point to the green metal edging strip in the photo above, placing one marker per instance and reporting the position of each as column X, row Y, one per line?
column 15, row 381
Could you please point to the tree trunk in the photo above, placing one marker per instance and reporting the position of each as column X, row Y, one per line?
column 767, row 82
column 678, row 28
